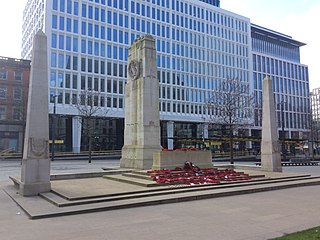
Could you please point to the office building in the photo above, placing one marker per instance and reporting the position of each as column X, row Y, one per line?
column 278, row 56
column 315, row 108
column 14, row 85
column 199, row 45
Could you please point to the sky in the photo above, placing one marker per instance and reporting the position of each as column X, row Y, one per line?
column 296, row 18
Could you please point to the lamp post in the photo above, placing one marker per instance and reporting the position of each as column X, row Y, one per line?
column 53, row 127
column 282, row 130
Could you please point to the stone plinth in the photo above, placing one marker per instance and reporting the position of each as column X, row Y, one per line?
column 270, row 154
column 35, row 169
column 177, row 158
column 142, row 118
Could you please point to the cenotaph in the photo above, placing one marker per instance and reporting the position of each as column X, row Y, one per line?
column 142, row 118
column 35, row 169
column 270, row 154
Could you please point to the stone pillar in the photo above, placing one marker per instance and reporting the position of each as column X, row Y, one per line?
column 170, row 133
column 76, row 134
column 35, row 169
column 142, row 118
column 270, row 154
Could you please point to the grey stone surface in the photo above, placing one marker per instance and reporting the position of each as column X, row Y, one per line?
column 142, row 118
column 270, row 154
column 35, row 170
column 254, row 216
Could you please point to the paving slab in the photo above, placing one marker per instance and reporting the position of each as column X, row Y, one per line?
column 98, row 194
column 256, row 216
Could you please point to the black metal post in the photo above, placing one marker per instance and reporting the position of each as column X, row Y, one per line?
column 283, row 133
column 53, row 128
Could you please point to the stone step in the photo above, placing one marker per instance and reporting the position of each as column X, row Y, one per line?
column 45, row 209
column 62, row 201
column 131, row 180
column 137, row 175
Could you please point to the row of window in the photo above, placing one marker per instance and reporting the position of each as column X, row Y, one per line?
column 278, row 67
column 290, row 103
column 282, row 85
column 95, row 83
column 16, row 93
column 98, row 100
column 16, row 113
column 16, row 75
column 120, row 36
column 275, row 48
column 103, row 100
column 291, row 120
column 145, row 10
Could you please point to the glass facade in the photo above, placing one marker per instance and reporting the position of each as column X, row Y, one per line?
column 198, row 47
column 277, row 56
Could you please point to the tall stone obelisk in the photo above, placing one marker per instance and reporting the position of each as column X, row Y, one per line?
column 270, row 154
column 142, row 118
column 35, row 170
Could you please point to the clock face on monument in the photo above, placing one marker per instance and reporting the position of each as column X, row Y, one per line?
column 134, row 69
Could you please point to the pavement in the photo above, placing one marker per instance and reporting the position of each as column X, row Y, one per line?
column 262, row 215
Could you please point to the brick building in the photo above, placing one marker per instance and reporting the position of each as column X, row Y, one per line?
column 14, row 83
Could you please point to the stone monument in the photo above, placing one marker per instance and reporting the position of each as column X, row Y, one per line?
column 35, row 169
column 270, row 154
column 142, row 118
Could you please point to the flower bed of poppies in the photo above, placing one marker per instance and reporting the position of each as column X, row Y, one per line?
column 192, row 175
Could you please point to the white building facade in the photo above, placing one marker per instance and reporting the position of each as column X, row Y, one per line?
column 198, row 45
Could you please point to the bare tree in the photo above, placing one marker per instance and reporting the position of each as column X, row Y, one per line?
column 89, row 108
column 230, row 106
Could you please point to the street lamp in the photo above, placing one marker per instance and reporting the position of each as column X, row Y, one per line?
column 282, row 130
column 53, row 127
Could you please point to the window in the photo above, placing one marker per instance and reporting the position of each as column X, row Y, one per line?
column 75, row 63
column 3, row 92
column 84, row 10
column 75, row 26
column 60, row 80
column 18, row 76
column 76, row 8
column 61, row 42
column 54, row 21
column 17, row 93
column 74, row 81
column 68, row 81
column 68, row 62
column 53, row 41
column 68, row 24
column 2, row 113
column 69, row 6
column 75, row 44
column 53, row 60
column 61, row 23
column 52, row 79
column 55, row 4
column 68, row 43
column 60, row 61
column 62, row 3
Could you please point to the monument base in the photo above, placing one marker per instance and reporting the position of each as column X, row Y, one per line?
column 271, row 163
column 33, row 189
column 177, row 158
column 138, row 157
column 35, row 177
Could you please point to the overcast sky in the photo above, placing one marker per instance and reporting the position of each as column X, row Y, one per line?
column 296, row 18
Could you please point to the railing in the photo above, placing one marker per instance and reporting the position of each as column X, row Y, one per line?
column 10, row 154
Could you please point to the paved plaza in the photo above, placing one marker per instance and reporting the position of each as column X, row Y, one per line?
column 251, row 216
